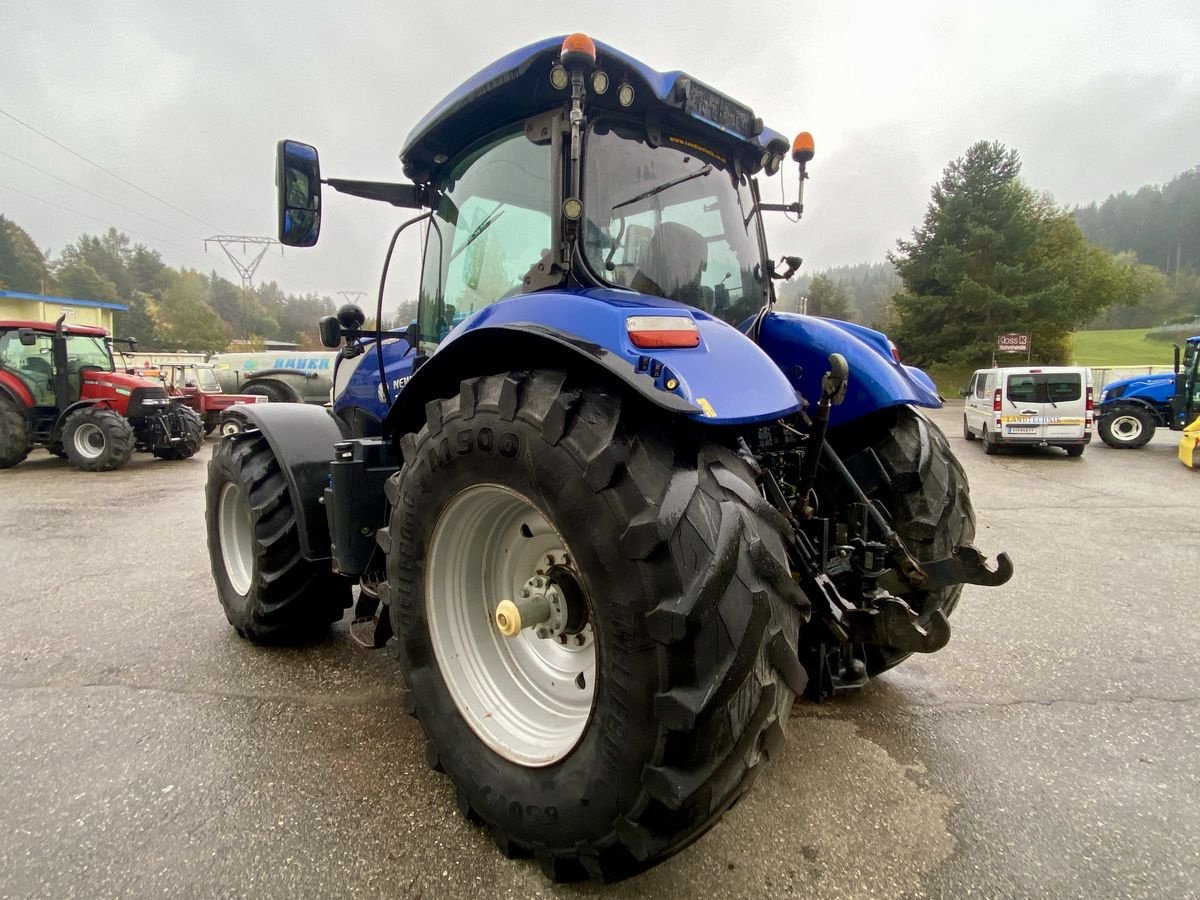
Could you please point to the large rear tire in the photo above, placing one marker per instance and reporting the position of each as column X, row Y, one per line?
column 97, row 439
column 604, row 755
column 271, row 595
column 192, row 435
column 1127, row 427
column 926, row 498
column 14, row 434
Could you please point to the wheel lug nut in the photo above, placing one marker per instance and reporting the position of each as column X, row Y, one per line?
column 579, row 640
column 562, row 638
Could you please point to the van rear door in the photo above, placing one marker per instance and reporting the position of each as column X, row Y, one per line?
column 1045, row 404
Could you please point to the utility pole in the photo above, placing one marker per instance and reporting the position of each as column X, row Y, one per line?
column 246, row 264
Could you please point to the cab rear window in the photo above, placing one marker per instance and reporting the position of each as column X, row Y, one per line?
column 1045, row 388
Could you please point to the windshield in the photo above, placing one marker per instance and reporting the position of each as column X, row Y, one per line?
column 84, row 350
column 670, row 220
column 491, row 225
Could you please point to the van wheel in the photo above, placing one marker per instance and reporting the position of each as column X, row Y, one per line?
column 967, row 432
column 1074, row 450
column 990, row 447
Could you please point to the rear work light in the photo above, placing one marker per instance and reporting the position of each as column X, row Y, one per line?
column 662, row 331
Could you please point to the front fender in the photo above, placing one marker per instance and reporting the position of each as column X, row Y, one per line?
column 302, row 438
column 726, row 380
column 801, row 345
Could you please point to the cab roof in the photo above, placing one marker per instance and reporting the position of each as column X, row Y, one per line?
column 48, row 327
column 516, row 86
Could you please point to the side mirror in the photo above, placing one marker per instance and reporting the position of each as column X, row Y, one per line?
column 964, row 392
column 331, row 331
column 133, row 344
column 27, row 337
column 298, row 184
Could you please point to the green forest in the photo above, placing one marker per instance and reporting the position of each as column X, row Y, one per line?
column 169, row 309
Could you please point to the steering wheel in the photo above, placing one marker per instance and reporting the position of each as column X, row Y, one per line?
column 36, row 364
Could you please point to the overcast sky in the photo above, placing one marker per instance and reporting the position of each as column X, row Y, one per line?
column 187, row 103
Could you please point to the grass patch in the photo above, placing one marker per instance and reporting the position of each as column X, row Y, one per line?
column 949, row 378
column 1124, row 347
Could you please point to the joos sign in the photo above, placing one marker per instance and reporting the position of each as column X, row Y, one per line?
column 1012, row 343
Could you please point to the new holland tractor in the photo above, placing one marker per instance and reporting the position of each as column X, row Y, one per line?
column 610, row 512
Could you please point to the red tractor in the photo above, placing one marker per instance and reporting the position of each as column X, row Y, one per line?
column 60, row 390
column 195, row 385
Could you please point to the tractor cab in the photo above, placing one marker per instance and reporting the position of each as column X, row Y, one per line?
column 568, row 164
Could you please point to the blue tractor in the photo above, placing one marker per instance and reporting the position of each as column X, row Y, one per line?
column 1132, row 408
column 609, row 511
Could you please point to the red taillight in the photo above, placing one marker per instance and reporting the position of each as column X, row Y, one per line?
column 895, row 351
column 1087, row 422
column 997, row 406
column 1090, row 405
column 649, row 332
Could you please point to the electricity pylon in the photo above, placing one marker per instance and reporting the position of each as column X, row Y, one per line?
column 246, row 264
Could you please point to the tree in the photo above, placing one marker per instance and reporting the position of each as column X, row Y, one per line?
column 992, row 256
column 828, row 298
column 22, row 265
column 185, row 321
column 78, row 279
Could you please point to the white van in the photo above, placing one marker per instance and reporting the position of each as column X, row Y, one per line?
column 1041, row 406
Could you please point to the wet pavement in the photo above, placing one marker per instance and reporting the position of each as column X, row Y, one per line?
column 1051, row 749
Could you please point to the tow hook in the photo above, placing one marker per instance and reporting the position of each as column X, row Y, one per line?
column 964, row 565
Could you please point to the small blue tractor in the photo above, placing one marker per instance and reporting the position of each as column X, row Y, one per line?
column 610, row 512
column 1132, row 408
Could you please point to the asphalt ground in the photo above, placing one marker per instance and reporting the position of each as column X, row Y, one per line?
column 1050, row 750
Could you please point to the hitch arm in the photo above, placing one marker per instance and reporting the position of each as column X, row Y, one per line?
column 964, row 565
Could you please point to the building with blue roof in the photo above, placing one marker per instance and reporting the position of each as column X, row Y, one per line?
column 45, row 308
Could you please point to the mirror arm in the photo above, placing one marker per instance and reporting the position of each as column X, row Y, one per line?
column 412, row 196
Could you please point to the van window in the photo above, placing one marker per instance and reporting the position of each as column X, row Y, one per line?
column 981, row 385
column 1061, row 387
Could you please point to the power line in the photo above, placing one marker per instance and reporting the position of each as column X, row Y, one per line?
column 80, row 187
column 101, row 221
column 107, row 171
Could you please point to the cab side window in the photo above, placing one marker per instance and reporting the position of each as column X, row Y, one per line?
column 31, row 364
column 980, row 386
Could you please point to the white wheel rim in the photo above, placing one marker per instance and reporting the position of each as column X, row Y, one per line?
column 1127, row 428
column 521, row 695
column 89, row 441
column 236, row 532
column 229, row 428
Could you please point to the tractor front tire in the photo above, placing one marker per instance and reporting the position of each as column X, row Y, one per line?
column 97, row 439
column 927, row 502
column 1127, row 427
column 14, row 434
column 615, row 742
column 271, row 595
column 192, row 427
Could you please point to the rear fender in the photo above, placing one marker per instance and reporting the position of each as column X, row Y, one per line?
column 302, row 438
column 1161, row 416
column 726, row 380
column 801, row 345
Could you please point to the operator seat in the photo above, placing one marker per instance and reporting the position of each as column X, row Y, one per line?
column 675, row 259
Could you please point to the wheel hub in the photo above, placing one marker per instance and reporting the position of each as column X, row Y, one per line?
column 509, row 625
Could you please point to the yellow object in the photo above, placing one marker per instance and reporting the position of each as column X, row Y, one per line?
column 508, row 618
column 709, row 412
column 1189, row 445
